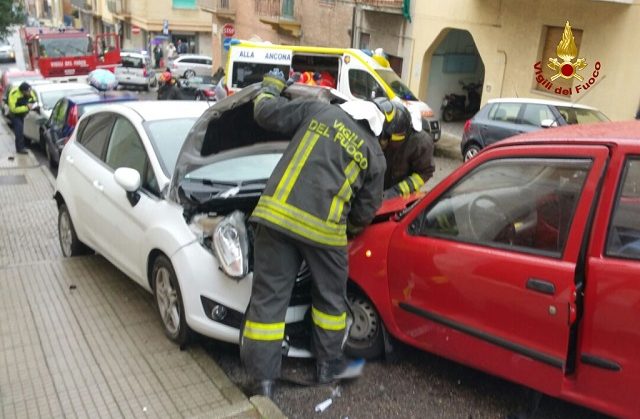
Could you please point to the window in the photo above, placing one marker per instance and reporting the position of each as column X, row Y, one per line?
column 244, row 74
column 624, row 232
column 95, row 132
column 534, row 114
column 505, row 112
column 581, row 116
column 551, row 36
column 167, row 137
column 363, row 85
column 125, row 148
column 522, row 204
column 59, row 113
column 183, row 4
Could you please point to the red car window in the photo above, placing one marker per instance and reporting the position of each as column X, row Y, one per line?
column 624, row 232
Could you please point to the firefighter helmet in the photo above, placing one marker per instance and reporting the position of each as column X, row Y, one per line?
column 397, row 120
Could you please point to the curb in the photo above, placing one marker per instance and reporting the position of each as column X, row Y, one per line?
column 266, row 407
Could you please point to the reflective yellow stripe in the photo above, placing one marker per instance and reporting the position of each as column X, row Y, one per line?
column 295, row 166
column 300, row 222
column 404, row 188
column 328, row 321
column 261, row 96
column 397, row 137
column 417, row 181
column 351, row 173
column 263, row 331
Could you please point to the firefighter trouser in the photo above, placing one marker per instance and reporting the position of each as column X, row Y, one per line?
column 277, row 261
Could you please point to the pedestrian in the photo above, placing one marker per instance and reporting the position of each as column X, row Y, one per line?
column 168, row 89
column 181, row 47
column 21, row 100
column 408, row 151
column 157, row 55
column 171, row 51
column 327, row 185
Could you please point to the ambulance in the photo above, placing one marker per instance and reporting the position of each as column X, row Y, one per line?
column 357, row 74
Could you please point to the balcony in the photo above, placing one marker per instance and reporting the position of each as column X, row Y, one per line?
column 282, row 15
column 387, row 5
column 225, row 9
column 120, row 8
column 84, row 5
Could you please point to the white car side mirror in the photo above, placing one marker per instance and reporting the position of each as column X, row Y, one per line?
column 127, row 178
column 548, row 123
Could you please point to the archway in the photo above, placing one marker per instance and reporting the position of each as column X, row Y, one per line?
column 453, row 61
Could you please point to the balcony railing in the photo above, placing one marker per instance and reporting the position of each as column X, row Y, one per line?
column 222, row 8
column 118, row 7
column 280, row 9
column 386, row 4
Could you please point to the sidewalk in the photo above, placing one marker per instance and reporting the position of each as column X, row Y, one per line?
column 78, row 338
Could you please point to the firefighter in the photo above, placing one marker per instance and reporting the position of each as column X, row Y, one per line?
column 327, row 185
column 168, row 89
column 21, row 100
column 408, row 151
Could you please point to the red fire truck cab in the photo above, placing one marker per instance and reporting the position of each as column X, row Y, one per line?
column 69, row 53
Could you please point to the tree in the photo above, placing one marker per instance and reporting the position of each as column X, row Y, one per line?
column 11, row 13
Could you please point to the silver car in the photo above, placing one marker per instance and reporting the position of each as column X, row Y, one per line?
column 189, row 65
column 135, row 71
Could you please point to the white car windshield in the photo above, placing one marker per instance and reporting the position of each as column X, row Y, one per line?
column 398, row 87
column 237, row 170
column 167, row 137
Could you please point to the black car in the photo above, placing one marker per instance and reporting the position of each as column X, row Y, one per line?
column 503, row 118
column 198, row 87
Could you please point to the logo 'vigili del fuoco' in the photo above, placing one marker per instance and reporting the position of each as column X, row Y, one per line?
column 565, row 67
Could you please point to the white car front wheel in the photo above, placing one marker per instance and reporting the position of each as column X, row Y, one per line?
column 169, row 301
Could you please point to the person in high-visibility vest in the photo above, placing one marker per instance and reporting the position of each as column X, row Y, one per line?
column 408, row 151
column 327, row 185
column 21, row 100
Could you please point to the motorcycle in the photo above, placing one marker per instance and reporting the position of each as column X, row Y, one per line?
column 456, row 106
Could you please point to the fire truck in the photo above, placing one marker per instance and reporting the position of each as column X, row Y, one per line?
column 68, row 54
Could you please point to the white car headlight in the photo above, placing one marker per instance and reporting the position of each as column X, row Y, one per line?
column 231, row 245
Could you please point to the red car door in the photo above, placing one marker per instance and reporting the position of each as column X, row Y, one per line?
column 483, row 271
column 608, row 368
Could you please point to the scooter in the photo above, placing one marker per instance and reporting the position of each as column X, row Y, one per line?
column 456, row 106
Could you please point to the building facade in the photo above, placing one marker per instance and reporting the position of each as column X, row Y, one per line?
column 503, row 44
column 331, row 23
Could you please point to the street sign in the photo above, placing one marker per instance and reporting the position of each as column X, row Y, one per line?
column 165, row 27
column 226, row 43
column 228, row 30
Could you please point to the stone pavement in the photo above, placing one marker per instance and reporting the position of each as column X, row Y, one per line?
column 78, row 338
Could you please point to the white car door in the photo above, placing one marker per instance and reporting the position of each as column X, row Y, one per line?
column 79, row 176
column 125, row 222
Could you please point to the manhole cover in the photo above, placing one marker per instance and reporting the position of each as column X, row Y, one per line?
column 13, row 180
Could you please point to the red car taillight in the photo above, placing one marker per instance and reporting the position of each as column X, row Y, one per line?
column 144, row 71
column 72, row 119
column 208, row 92
column 467, row 126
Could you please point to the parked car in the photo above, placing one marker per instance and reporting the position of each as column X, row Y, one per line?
column 136, row 71
column 47, row 95
column 523, row 263
column 503, row 118
column 189, row 65
column 7, row 54
column 14, row 77
column 198, row 87
column 57, row 130
column 177, row 223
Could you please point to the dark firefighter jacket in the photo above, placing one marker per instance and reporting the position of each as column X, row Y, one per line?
column 169, row 92
column 330, row 175
column 18, row 102
column 409, row 164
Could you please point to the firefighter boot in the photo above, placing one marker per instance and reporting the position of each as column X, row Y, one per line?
column 340, row 368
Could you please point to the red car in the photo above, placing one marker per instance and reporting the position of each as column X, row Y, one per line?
column 523, row 263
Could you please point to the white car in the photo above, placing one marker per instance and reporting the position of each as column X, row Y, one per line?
column 135, row 71
column 165, row 198
column 189, row 65
column 47, row 95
